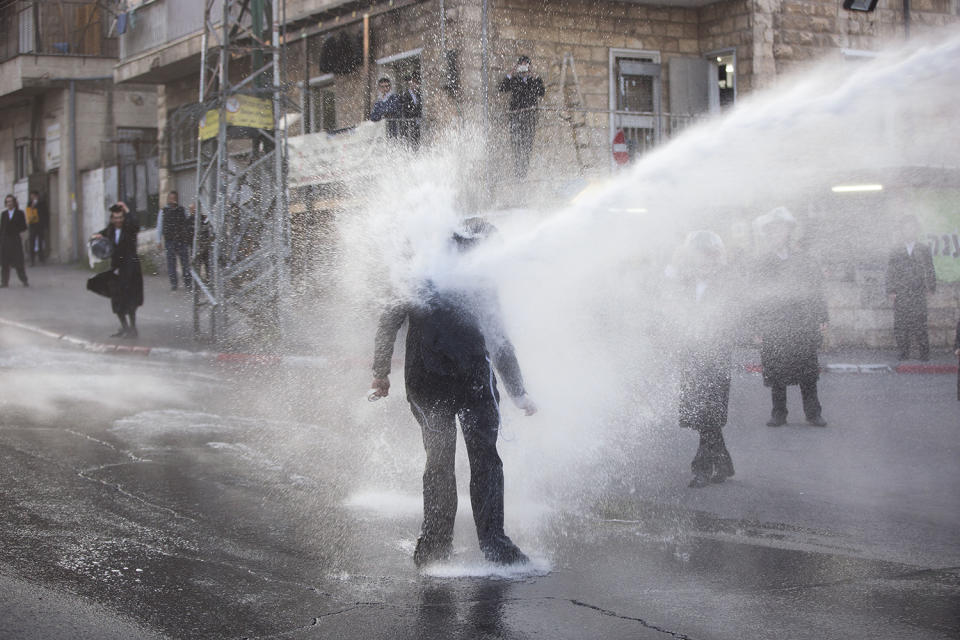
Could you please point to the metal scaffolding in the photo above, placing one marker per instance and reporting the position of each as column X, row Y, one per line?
column 242, row 231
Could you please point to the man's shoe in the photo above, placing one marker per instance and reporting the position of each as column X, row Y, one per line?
column 777, row 421
column 817, row 421
column 173, row 287
column 132, row 333
column 699, row 481
column 427, row 553
column 26, row 284
column 119, row 334
column 504, row 552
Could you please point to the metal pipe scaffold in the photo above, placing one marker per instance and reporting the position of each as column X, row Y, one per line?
column 241, row 229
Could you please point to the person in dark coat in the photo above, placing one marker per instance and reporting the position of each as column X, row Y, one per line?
column 525, row 91
column 387, row 106
column 38, row 220
column 705, row 345
column 176, row 233
column 910, row 277
column 790, row 316
column 123, row 283
column 454, row 341
column 13, row 222
column 411, row 110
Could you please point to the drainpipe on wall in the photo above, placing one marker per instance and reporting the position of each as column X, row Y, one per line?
column 74, row 209
column 906, row 19
column 485, row 70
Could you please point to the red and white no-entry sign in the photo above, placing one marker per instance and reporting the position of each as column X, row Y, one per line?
column 620, row 155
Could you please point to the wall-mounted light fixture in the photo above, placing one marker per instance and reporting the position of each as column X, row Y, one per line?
column 854, row 188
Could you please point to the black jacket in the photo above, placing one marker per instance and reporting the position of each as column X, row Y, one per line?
column 447, row 344
column 177, row 225
column 127, row 291
column 12, row 227
column 789, row 308
column 410, row 108
column 911, row 276
column 523, row 93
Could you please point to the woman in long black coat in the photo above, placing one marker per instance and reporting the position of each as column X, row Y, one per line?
column 123, row 283
column 701, row 309
column 790, row 315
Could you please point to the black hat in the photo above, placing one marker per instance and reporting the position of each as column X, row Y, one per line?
column 115, row 208
column 101, row 248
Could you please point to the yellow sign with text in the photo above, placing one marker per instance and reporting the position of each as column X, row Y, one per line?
column 242, row 111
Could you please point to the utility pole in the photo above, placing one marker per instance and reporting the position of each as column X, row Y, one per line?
column 241, row 175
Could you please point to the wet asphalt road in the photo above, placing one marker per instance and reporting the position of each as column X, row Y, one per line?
column 141, row 499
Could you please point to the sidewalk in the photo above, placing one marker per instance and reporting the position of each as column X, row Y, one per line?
column 58, row 305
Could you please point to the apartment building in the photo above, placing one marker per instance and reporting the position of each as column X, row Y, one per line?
column 67, row 130
column 621, row 77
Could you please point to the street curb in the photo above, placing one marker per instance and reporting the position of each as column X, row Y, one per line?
column 319, row 362
column 176, row 355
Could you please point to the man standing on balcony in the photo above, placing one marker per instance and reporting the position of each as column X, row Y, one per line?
column 387, row 106
column 525, row 90
column 411, row 109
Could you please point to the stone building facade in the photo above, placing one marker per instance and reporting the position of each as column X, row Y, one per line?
column 647, row 69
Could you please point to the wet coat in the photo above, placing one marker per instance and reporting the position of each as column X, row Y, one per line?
column 788, row 310
column 447, row 346
column 123, row 283
column 524, row 93
column 11, row 247
column 703, row 317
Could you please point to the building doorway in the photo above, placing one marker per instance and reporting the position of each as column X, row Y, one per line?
column 635, row 102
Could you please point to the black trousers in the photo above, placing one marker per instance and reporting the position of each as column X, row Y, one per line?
column 808, row 393
column 523, row 124
column 910, row 325
column 11, row 255
column 478, row 411
column 178, row 250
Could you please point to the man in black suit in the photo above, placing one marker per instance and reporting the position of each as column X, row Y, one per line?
column 910, row 276
column 13, row 222
column 411, row 109
column 525, row 90
column 455, row 339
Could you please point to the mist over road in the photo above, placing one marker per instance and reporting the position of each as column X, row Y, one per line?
column 140, row 498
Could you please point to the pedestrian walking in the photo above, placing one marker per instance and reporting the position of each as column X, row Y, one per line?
column 13, row 222
column 455, row 339
column 123, row 282
column 790, row 315
column 704, row 323
column 38, row 220
column 175, row 232
column 525, row 90
column 910, row 277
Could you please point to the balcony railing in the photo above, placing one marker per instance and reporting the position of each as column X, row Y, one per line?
column 63, row 28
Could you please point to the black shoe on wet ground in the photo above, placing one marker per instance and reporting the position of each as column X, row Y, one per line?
column 777, row 421
column 817, row 421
